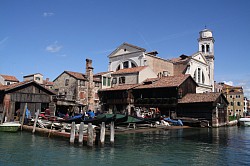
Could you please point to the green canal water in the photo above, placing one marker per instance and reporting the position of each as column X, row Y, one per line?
column 196, row 146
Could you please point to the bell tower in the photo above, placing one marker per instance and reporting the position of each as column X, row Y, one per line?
column 206, row 42
column 206, row 47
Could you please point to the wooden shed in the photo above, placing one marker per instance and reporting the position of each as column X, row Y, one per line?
column 13, row 97
column 207, row 106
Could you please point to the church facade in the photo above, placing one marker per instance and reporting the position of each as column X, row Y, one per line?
column 199, row 65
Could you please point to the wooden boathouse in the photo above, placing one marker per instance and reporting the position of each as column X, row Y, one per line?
column 13, row 98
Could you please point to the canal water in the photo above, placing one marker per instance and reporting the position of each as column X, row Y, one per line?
column 194, row 146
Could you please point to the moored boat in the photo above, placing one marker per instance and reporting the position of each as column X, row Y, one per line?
column 244, row 121
column 10, row 126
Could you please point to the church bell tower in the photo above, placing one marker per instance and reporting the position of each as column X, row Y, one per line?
column 206, row 47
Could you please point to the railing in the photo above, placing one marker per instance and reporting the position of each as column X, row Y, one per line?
column 158, row 101
column 64, row 97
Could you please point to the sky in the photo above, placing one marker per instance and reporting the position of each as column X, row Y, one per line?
column 51, row 36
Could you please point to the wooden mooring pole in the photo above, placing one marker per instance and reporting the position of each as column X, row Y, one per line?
column 90, row 141
column 112, row 132
column 72, row 132
column 23, row 117
column 102, row 135
column 3, row 115
column 80, row 139
column 34, row 126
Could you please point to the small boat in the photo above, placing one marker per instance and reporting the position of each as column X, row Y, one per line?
column 174, row 122
column 120, row 118
column 96, row 120
column 244, row 121
column 10, row 126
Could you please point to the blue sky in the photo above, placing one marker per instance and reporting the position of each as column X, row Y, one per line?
column 50, row 36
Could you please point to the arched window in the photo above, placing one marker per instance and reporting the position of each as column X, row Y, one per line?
column 207, row 48
column 133, row 65
column 118, row 68
column 202, row 48
column 195, row 75
column 203, row 78
column 199, row 75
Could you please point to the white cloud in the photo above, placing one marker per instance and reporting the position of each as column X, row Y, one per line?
column 53, row 47
column 48, row 14
column 229, row 83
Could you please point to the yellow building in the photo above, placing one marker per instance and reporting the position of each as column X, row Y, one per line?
column 235, row 97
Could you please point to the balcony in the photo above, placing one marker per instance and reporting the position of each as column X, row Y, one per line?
column 156, row 101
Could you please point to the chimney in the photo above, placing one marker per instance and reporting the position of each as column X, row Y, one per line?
column 89, row 76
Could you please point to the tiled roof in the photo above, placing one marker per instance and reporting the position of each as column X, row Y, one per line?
column 200, row 97
column 19, row 84
column 48, row 82
column 232, row 89
column 8, row 87
column 32, row 75
column 168, row 81
column 101, row 73
column 130, row 70
column 120, row 87
column 182, row 58
column 9, row 78
column 76, row 75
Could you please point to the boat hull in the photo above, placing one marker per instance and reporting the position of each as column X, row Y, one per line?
column 244, row 122
column 9, row 127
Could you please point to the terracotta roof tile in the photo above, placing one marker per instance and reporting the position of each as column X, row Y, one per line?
column 200, row 97
column 130, row 70
column 7, row 87
column 19, row 84
column 9, row 78
column 101, row 73
column 168, row 81
column 76, row 75
column 181, row 59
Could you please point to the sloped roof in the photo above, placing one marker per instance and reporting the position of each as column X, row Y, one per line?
column 77, row 75
column 102, row 73
column 129, row 70
column 127, row 44
column 200, row 97
column 9, row 78
column 168, row 81
column 32, row 75
column 7, row 88
column 181, row 59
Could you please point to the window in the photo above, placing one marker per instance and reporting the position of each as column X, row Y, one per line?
column 82, row 83
column 202, row 48
column 104, row 81
column 114, row 80
column 8, row 83
column 232, row 104
column 37, row 78
column 125, row 65
column 97, row 84
column 118, row 68
column 66, row 82
column 199, row 75
column 122, row 80
column 109, row 80
column 207, row 48
column 238, row 103
column 133, row 65
column 203, row 78
column 195, row 75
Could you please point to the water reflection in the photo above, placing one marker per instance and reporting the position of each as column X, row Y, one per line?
column 219, row 146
